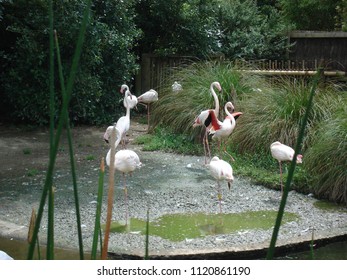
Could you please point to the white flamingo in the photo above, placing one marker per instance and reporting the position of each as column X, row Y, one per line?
column 221, row 171
column 125, row 161
column 122, row 125
column 204, row 120
column 222, row 130
column 283, row 152
column 130, row 100
column 176, row 87
column 5, row 256
column 146, row 99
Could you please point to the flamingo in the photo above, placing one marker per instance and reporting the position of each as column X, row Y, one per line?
column 221, row 170
column 126, row 161
column 5, row 256
column 131, row 100
column 283, row 152
column 176, row 87
column 222, row 130
column 203, row 118
column 148, row 97
column 123, row 123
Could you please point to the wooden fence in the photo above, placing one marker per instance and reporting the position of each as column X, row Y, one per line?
column 156, row 70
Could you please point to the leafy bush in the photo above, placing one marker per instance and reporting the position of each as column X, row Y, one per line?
column 247, row 32
column 275, row 112
column 326, row 159
column 105, row 64
column 307, row 15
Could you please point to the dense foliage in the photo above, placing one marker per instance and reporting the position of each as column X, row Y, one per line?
column 249, row 32
column 201, row 28
column 105, row 64
column 315, row 14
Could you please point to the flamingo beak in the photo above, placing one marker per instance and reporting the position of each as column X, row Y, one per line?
column 229, row 185
column 236, row 115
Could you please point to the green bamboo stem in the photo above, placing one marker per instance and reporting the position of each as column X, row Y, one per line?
column 71, row 152
column 280, row 213
column 61, row 123
column 50, row 228
column 147, row 237
column 97, row 228
column 110, row 196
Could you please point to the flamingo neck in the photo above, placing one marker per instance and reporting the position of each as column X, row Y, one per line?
column 216, row 101
column 229, row 116
column 127, row 114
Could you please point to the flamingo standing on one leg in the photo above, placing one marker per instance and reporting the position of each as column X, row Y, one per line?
column 283, row 152
column 130, row 100
column 203, row 118
column 126, row 161
column 146, row 99
column 221, row 170
column 222, row 130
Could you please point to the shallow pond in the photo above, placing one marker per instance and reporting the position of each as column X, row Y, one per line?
column 178, row 227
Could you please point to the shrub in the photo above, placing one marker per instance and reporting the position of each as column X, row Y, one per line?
column 106, row 60
column 326, row 159
column 275, row 112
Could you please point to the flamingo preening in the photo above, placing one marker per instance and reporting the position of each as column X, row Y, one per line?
column 222, row 130
column 203, row 118
column 130, row 100
column 221, row 170
column 283, row 152
column 146, row 99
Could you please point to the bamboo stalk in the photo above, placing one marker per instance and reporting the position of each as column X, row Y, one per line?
column 97, row 228
column 110, row 196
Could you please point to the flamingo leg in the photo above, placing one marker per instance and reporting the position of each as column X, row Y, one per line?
column 281, row 176
column 225, row 151
column 126, row 199
column 219, row 197
column 205, row 148
column 207, row 145
column 148, row 117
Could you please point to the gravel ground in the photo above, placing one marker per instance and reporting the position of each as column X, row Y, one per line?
column 167, row 183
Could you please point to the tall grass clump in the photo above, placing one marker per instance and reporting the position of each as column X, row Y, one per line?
column 179, row 110
column 276, row 112
column 326, row 159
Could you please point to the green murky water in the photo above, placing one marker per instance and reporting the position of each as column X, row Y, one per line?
column 178, row 227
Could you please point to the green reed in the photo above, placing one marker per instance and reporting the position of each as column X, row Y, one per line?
column 71, row 152
column 97, row 226
column 147, row 237
column 302, row 128
column 54, row 139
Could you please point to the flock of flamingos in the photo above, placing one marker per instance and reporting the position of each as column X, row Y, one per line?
column 126, row 160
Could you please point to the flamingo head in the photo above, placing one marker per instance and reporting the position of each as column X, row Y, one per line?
column 299, row 159
column 108, row 133
column 218, row 86
column 123, row 88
